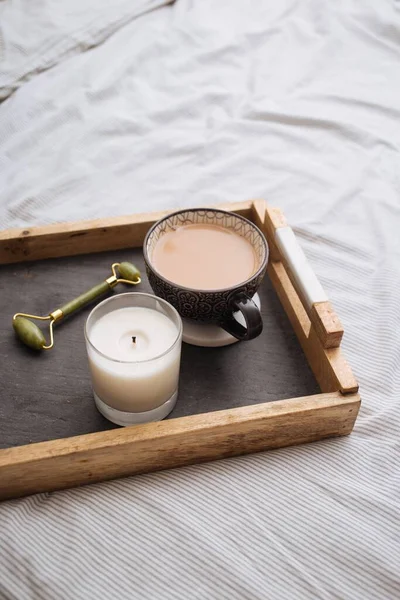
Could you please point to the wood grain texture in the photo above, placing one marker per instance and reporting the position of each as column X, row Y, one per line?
column 84, row 237
column 155, row 446
column 327, row 324
column 329, row 366
column 322, row 314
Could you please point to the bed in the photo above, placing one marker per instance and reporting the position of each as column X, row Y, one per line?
column 136, row 105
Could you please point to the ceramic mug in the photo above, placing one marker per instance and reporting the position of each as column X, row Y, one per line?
column 212, row 306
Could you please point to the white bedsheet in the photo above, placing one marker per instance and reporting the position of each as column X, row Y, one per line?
column 194, row 103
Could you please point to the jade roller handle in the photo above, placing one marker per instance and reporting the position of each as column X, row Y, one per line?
column 85, row 298
column 129, row 273
column 30, row 334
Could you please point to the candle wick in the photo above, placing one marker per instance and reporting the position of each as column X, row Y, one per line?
column 134, row 339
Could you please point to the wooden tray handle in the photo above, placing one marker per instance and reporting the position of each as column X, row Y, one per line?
column 284, row 247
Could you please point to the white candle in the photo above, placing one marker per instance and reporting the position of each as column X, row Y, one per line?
column 134, row 356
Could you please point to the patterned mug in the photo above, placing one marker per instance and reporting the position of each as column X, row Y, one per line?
column 212, row 306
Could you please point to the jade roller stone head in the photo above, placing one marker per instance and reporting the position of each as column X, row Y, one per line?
column 129, row 272
column 29, row 333
column 32, row 336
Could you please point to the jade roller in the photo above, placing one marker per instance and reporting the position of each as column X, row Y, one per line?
column 30, row 334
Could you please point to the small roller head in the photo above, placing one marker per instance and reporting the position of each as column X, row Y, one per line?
column 29, row 333
column 128, row 271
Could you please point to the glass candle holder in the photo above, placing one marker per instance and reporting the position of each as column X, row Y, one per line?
column 134, row 344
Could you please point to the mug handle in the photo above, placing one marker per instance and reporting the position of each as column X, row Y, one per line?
column 252, row 317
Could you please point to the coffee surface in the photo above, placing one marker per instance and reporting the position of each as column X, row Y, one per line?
column 204, row 257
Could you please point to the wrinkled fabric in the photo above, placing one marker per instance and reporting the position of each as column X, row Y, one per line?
column 197, row 103
column 34, row 36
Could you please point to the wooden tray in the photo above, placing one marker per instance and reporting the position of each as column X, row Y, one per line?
column 48, row 396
